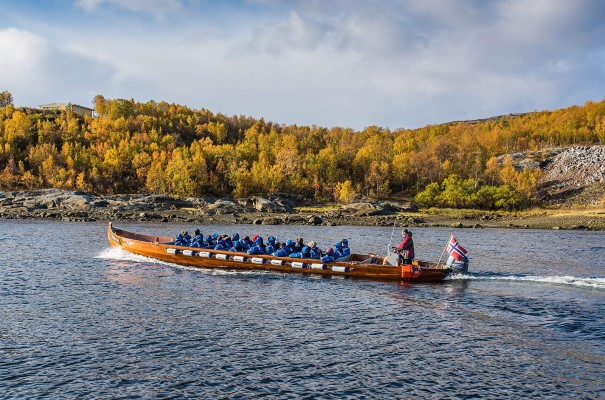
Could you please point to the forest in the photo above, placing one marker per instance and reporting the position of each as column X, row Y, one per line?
column 157, row 147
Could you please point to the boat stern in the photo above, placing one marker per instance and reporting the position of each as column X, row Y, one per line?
column 457, row 266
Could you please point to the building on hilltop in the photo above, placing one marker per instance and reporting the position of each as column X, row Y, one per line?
column 83, row 111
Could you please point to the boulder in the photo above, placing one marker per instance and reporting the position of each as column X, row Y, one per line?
column 363, row 208
column 314, row 220
column 275, row 205
column 272, row 221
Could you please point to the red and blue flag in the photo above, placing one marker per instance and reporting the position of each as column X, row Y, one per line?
column 455, row 250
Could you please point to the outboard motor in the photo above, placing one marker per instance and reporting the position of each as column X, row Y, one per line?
column 457, row 267
column 392, row 257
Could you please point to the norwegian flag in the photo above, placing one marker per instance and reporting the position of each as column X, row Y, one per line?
column 455, row 250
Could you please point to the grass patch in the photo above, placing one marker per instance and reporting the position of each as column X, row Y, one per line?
column 317, row 209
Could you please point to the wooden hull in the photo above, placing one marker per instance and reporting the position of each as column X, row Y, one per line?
column 360, row 266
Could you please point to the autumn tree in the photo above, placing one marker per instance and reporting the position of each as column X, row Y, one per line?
column 6, row 98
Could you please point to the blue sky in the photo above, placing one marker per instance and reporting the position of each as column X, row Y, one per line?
column 351, row 63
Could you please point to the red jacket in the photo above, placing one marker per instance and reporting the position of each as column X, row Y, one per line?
column 407, row 244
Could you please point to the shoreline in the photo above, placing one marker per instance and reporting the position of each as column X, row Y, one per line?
column 54, row 204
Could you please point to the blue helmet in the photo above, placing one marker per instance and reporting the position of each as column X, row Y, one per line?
column 271, row 240
column 235, row 236
column 345, row 242
column 215, row 236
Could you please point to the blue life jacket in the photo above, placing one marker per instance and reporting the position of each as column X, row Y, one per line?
column 221, row 245
column 337, row 251
column 257, row 249
column 199, row 239
column 283, row 252
column 326, row 258
column 315, row 253
column 270, row 248
column 346, row 251
column 236, row 246
column 181, row 241
column 209, row 241
column 304, row 253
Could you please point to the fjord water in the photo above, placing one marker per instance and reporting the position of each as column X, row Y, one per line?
column 81, row 320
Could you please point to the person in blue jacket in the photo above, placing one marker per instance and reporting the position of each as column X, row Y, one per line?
column 246, row 243
column 299, row 244
column 314, row 251
column 258, row 248
column 328, row 256
column 236, row 246
column 337, row 250
column 211, row 241
column 180, row 240
column 342, row 249
column 198, row 239
column 270, row 248
column 183, row 239
column 286, row 250
column 222, row 244
column 186, row 237
column 303, row 253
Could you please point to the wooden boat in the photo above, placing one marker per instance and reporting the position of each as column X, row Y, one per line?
column 369, row 266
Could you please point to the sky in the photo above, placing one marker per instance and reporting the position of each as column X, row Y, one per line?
column 348, row 63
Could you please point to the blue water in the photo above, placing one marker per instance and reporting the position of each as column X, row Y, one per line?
column 81, row 320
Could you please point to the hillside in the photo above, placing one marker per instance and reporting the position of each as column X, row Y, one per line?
column 572, row 176
column 500, row 163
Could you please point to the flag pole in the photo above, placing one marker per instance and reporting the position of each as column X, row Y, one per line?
column 445, row 249
column 391, row 239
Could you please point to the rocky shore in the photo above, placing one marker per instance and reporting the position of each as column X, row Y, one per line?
column 82, row 206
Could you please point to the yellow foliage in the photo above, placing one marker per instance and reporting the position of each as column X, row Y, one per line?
column 30, row 181
column 169, row 148
column 345, row 192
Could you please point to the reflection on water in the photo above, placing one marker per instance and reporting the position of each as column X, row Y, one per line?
column 82, row 320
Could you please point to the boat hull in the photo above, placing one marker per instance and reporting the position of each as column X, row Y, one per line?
column 366, row 266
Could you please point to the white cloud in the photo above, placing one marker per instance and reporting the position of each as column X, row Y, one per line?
column 328, row 63
column 23, row 54
column 38, row 72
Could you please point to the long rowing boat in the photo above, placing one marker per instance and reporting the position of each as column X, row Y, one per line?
column 369, row 266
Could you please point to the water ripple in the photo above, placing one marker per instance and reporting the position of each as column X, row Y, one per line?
column 85, row 321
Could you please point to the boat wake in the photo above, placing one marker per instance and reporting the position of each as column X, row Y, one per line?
column 116, row 253
column 593, row 283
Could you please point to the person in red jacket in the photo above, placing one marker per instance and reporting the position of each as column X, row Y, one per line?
column 406, row 248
